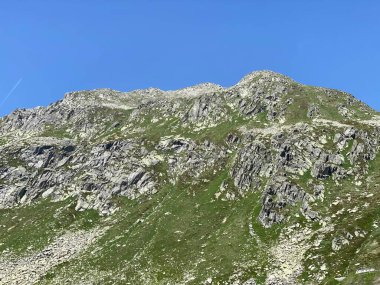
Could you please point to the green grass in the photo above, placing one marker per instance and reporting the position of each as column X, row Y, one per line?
column 172, row 126
column 304, row 96
column 304, row 180
column 113, row 120
column 219, row 133
column 180, row 230
column 14, row 161
column 29, row 228
column 361, row 250
column 55, row 132
column 346, row 151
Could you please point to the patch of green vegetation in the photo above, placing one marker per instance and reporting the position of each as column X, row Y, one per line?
column 330, row 145
column 348, row 147
column 113, row 120
column 153, row 128
column 347, row 164
column 260, row 120
column 29, row 228
column 55, row 132
column 179, row 230
column 219, row 133
column 297, row 110
column 362, row 251
column 361, row 112
column 304, row 179
column 162, row 128
column 261, row 117
column 327, row 101
column 14, row 161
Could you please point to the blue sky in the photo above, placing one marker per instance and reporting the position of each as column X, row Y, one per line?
column 48, row 48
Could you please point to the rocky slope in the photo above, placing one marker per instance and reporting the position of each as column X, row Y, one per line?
column 266, row 182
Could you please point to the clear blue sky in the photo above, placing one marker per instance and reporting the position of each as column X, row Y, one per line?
column 48, row 48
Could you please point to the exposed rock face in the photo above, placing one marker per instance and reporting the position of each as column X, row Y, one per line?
column 289, row 146
column 277, row 196
column 252, row 162
column 60, row 171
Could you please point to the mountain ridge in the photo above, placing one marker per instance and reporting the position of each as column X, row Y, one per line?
column 248, row 78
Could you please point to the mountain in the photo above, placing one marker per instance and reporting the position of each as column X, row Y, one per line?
column 266, row 182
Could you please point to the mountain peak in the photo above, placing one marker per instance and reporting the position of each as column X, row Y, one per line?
column 264, row 75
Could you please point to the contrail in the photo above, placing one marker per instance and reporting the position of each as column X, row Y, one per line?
column 10, row 92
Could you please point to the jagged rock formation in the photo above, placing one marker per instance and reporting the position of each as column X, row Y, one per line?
column 281, row 173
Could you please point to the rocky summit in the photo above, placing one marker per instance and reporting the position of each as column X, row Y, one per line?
column 266, row 182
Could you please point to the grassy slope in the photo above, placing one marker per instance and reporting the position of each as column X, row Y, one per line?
column 361, row 252
column 30, row 228
column 303, row 96
column 178, row 231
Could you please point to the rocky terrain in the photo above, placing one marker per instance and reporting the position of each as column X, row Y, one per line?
column 266, row 182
